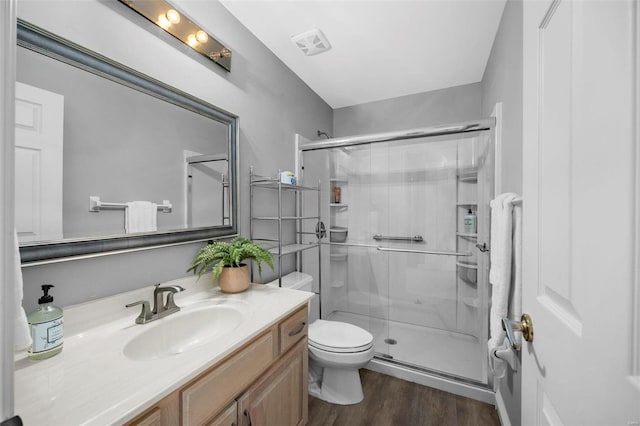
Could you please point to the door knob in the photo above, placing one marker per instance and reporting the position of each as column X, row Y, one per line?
column 525, row 326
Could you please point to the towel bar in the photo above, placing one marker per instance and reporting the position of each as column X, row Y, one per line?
column 415, row 238
column 95, row 205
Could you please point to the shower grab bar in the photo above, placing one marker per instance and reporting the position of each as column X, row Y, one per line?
column 415, row 238
column 400, row 250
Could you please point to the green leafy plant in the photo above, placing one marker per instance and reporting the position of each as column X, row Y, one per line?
column 229, row 254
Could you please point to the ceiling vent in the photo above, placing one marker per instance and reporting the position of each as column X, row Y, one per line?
column 311, row 42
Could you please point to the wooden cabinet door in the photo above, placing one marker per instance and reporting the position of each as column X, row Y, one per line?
column 280, row 397
column 229, row 417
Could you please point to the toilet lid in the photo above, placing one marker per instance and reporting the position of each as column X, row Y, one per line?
column 335, row 336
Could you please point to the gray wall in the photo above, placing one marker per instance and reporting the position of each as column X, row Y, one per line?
column 502, row 82
column 271, row 101
column 448, row 105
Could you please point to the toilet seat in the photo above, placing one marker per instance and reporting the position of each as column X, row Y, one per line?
column 339, row 337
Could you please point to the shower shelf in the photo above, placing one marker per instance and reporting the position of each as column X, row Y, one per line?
column 339, row 205
column 466, row 204
column 467, row 265
column 338, row 180
column 471, row 302
column 465, row 235
column 338, row 257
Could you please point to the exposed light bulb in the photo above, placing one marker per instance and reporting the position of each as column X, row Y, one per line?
column 202, row 36
column 214, row 56
column 173, row 16
column 192, row 40
column 163, row 22
column 226, row 53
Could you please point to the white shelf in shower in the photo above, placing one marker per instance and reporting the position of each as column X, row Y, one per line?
column 472, row 302
column 339, row 205
column 338, row 257
column 466, row 235
column 338, row 180
column 466, row 204
column 468, row 265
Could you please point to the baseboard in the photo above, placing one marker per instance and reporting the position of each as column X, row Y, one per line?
column 502, row 409
column 425, row 379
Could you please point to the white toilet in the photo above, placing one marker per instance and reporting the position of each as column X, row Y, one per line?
column 337, row 351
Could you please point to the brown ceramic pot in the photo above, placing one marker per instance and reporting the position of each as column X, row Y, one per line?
column 234, row 279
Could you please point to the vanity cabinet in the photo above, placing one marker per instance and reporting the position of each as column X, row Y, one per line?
column 280, row 397
column 266, row 379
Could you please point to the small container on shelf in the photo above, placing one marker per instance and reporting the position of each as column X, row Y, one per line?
column 337, row 194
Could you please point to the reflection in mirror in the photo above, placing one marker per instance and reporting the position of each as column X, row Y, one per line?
column 101, row 157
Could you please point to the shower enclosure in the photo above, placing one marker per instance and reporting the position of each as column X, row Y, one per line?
column 398, row 260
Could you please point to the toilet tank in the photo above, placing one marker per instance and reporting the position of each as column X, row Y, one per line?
column 295, row 280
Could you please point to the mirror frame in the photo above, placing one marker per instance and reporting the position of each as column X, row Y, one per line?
column 39, row 40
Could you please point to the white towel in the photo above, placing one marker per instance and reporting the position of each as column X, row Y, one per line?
column 515, row 304
column 501, row 263
column 21, row 334
column 140, row 216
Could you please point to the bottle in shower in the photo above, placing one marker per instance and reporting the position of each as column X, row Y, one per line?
column 470, row 223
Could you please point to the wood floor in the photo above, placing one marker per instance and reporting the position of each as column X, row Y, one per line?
column 394, row 402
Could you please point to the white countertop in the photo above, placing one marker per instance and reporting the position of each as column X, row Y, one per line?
column 91, row 382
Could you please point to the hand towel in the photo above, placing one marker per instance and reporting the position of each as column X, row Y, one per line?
column 500, row 272
column 498, row 365
column 140, row 216
column 515, row 303
column 21, row 334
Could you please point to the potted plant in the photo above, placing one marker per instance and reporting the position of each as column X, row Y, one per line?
column 227, row 258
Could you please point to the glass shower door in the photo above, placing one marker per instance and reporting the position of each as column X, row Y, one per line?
column 395, row 211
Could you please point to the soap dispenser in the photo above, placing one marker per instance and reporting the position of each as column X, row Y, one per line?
column 46, row 325
column 470, row 223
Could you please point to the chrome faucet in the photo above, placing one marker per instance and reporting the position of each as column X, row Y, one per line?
column 160, row 308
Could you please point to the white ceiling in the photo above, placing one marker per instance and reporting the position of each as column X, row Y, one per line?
column 380, row 49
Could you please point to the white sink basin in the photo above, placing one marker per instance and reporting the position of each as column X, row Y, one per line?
column 187, row 329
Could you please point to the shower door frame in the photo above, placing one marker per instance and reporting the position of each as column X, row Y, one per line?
column 486, row 124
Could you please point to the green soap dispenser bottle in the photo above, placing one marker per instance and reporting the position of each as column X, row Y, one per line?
column 46, row 326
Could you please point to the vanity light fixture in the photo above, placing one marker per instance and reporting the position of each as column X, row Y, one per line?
column 165, row 16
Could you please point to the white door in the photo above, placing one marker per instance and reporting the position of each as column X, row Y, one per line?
column 38, row 163
column 581, row 213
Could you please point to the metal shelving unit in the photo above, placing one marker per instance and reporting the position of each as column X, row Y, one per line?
column 281, row 249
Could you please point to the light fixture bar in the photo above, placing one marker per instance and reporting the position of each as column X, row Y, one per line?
column 167, row 17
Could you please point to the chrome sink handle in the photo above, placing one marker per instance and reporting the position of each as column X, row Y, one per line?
column 145, row 314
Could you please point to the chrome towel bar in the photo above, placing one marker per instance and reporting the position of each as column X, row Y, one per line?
column 95, row 205
column 415, row 238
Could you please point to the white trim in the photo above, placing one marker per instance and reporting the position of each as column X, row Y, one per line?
column 7, row 131
column 501, row 408
column 444, row 384
column 497, row 114
column 635, row 372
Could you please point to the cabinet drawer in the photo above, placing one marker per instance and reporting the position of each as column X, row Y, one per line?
column 293, row 329
column 212, row 392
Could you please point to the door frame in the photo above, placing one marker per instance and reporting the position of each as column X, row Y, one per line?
column 8, row 19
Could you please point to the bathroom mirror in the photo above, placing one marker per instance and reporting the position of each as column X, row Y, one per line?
column 93, row 136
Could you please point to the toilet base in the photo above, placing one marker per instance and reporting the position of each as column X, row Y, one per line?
column 338, row 386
